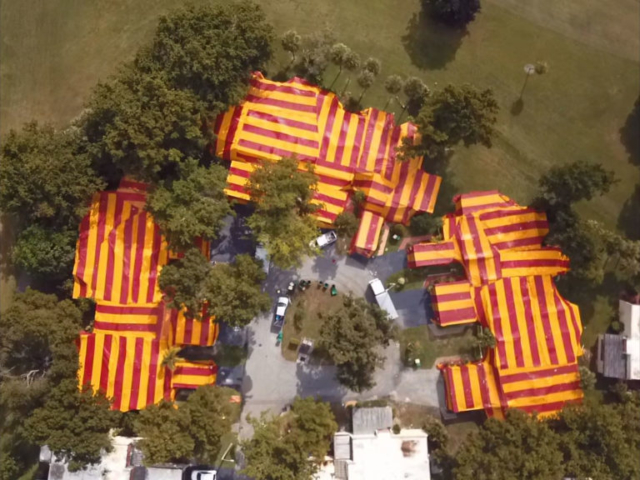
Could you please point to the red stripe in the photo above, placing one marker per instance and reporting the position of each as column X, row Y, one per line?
column 239, row 172
column 373, row 185
column 448, row 317
column 357, row 142
column 231, row 133
column 126, row 183
column 321, row 197
column 102, row 220
column 204, row 332
column 429, row 192
column 428, row 263
column 371, row 233
column 284, row 137
column 516, row 337
column 497, row 326
column 395, row 138
column 412, row 198
column 564, row 327
column 329, row 127
column 546, row 324
column 167, row 384
column 324, row 214
column 540, row 391
column 153, row 371
column 334, row 165
column 397, row 194
column 135, row 380
column 531, row 326
column 477, row 301
column 202, row 371
column 466, row 386
column 188, row 331
column 155, row 259
column 385, row 139
column 309, row 127
column 543, row 373
column 506, row 213
column 452, row 390
column 522, row 242
column 88, row 359
column 112, row 238
column 434, row 247
column 237, row 188
column 128, row 244
column 282, row 88
column 477, row 244
column 137, row 268
column 342, row 139
column 273, row 150
column 516, row 227
column 451, row 297
column 218, row 123
column 484, row 390
column 126, row 310
column 535, row 263
column 122, row 358
column 373, row 118
column 124, row 327
column 104, row 368
column 281, row 104
column 547, row 407
column 335, row 182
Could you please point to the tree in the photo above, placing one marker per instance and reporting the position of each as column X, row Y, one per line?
column 393, row 85
column 315, row 55
column 182, row 281
column 454, row 115
column 574, row 182
column 191, row 207
column 455, row 13
column 351, row 336
column 171, row 358
column 521, row 446
column 74, row 424
column 291, row 446
column 338, row 53
column 233, row 291
column 351, row 63
column 210, row 50
column 137, row 125
column 587, row 379
column 45, row 253
column 164, row 429
column 346, row 224
column 372, row 65
column 290, row 42
column 425, row 224
column 37, row 328
column 282, row 219
column 596, row 440
column 417, row 93
column 365, row 79
column 44, row 178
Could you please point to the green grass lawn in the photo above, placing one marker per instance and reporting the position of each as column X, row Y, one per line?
column 309, row 304
column 54, row 52
column 428, row 347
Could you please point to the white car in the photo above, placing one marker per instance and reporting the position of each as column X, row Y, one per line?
column 324, row 240
column 281, row 309
column 204, row 475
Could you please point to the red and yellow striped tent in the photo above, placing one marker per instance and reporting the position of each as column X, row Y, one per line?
column 119, row 255
column 509, row 290
column 347, row 150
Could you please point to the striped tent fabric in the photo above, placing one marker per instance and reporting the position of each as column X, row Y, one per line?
column 347, row 150
column 119, row 256
column 191, row 375
column 365, row 241
column 509, row 290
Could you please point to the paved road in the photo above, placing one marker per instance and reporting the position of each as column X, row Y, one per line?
column 271, row 382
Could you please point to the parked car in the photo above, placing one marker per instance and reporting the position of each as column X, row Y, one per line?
column 281, row 309
column 383, row 298
column 202, row 473
column 304, row 350
column 324, row 240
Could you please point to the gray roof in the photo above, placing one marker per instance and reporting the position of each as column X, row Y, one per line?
column 615, row 361
column 370, row 420
column 342, row 446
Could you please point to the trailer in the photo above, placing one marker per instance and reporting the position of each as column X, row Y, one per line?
column 383, row 298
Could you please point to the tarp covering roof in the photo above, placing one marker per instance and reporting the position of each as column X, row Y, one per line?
column 347, row 150
column 366, row 238
column 509, row 290
column 119, row 255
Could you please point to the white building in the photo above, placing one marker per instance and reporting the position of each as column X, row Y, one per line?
column 374, row 452
column 619, row 355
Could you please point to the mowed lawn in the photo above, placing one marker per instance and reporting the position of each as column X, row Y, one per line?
column 53, row 52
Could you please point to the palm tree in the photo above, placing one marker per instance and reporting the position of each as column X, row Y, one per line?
column 393, row 85
column 351, row 63
column 338, row 53
column 373, row 65
column 365, row 80
column 170, row 358
column 291, row 43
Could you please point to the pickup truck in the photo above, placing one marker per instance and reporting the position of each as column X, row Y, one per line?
column 383, row 298
column 324, row 240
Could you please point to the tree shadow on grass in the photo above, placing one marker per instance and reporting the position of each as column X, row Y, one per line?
column 431, row 45
column 629, row 219
column 630, row 134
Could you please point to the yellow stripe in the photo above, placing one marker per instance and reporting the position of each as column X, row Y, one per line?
column 144, row 373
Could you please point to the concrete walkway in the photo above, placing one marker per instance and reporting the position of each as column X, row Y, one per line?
column 271, row 382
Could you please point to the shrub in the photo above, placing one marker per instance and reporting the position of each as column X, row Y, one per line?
column 617, row 326
column 396, row 428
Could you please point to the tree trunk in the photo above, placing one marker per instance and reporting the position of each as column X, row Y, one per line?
column 346, row 85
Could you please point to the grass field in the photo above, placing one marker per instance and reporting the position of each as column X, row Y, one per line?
column 428, row 348
column 52, row 53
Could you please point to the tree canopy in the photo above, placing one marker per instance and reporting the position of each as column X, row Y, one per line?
column 574, row 182
column 43, row 178
column 233, row 291
column 291, row 446
column 182, row 282
column 352, row 335
column 193, row 206
column 191, row 431
column 455, row 13
column 210, row 51
column 282, row 219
